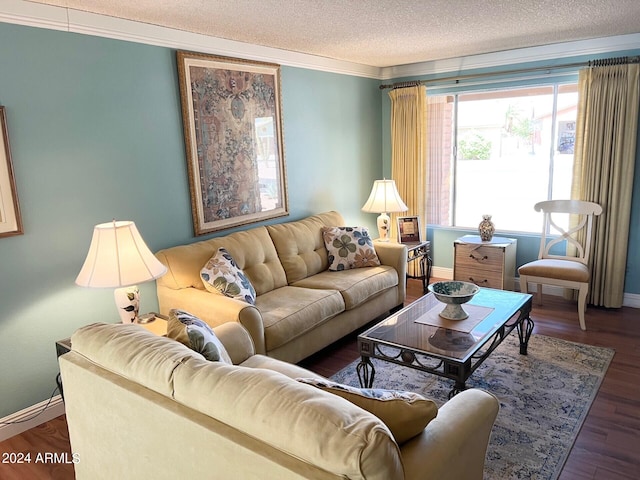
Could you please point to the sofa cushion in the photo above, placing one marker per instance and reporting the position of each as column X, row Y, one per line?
column 300, row 245
column 288, row 312
column 356, row 286
column 349, row 247
column 315, row 426
column 133, row 352
column 405, row 413
column 197, row 335
column 252, row 250
column 222, row 275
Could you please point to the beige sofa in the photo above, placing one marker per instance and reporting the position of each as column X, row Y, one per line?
column 141, row 406
column 301, row 307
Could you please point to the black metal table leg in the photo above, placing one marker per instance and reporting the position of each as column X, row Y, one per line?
column 525, row 328
column 363, row 367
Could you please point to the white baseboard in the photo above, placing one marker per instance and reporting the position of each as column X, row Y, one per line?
column 631, row 300
column 55, row 409
column 441, row 272
column 628, row 300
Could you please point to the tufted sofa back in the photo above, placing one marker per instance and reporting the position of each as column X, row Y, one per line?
column 271, row 257
column 300, row 245
column 252, row 250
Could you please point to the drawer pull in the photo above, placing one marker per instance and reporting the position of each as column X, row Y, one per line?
column 472, row 280
column 479, row 259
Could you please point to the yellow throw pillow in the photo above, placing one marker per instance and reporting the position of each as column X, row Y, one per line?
column 406, row 414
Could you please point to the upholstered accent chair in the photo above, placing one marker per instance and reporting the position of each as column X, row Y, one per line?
column 566, row 270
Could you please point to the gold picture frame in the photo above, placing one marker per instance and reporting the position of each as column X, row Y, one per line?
column 409, row 230
column 10, row 219
column 232, row 122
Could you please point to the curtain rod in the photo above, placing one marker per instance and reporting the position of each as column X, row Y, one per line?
column 458, row 78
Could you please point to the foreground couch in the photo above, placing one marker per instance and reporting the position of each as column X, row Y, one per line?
column 140, row 406
column 301, row 307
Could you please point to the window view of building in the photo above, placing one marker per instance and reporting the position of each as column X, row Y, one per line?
column 499, row 152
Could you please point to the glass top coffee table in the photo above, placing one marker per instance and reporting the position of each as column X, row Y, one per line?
column 418, row 338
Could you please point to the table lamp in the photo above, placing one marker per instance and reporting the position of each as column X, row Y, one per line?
column 118, row 258
column 384, row 198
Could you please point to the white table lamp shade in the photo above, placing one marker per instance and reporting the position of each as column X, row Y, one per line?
column 384, row 198
column 119, row 258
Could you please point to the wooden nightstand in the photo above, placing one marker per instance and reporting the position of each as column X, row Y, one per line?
column 487, row 264
column 157, row 326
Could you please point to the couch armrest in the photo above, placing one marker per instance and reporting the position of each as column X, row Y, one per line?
column 395, row 255
column 453, row 445
column 236, row 341
column 215, row 310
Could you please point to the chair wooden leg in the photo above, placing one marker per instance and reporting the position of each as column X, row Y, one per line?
column 582, row 305
column 539, row 293
column 524, row 287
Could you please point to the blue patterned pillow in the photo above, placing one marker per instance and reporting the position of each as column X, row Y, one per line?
column 406, row 414
column 349, row 247
column 222, row 275
column 197, row 335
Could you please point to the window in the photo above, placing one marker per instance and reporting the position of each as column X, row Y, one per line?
column 499, row 152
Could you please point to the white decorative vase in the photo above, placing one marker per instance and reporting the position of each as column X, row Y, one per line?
column 486, row 228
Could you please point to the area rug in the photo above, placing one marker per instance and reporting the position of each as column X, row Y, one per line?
column 544, row 398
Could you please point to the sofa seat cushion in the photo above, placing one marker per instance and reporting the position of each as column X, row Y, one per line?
column 289, row 312
column 356, row 286
column 316, row 426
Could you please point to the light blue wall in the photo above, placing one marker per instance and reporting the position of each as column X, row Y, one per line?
column 442, row 238
column 96, row 133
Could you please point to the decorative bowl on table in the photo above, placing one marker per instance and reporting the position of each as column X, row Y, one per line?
column 454, row 294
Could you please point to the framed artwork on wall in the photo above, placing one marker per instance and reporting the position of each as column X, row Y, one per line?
column 409, row 230
column 10, row 220
column 232, row 121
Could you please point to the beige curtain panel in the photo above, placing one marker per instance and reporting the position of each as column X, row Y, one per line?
column 605, row 155
column 408, row 149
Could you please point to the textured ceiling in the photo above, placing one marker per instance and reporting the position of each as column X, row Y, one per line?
column 382, row 32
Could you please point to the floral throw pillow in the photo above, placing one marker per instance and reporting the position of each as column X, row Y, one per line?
column 197, row 335
column 349, row 247
column 406, row 414
column 222, row 275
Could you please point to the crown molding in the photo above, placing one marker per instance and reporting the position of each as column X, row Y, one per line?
column 59, row 18
column 511, row 57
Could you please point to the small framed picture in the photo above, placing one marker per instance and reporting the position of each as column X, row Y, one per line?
column 409, row 230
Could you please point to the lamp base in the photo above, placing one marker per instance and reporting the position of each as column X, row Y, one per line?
column 383, row 227
column 128, row 303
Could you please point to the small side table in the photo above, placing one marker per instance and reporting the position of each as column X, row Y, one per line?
column 420, row 252
column 62, row 347
column 157, row 326
column 489, row 264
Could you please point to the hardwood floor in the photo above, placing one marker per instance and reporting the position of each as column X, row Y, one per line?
column 607, row 447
